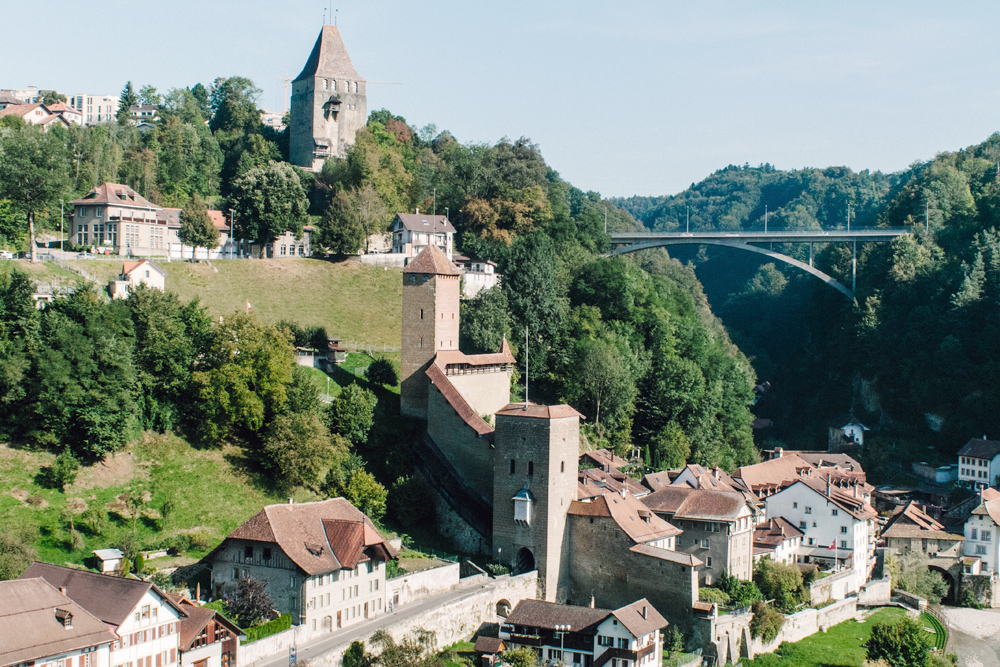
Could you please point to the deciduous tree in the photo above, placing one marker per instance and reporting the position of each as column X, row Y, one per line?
column 197, row 229
column 268, row 202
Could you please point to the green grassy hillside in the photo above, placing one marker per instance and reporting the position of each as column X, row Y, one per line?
column 354, row 301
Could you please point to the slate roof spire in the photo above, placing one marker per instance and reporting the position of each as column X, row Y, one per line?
column 329, row 58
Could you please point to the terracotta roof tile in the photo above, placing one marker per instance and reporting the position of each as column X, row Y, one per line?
column 775, row 474
column 640, row 618
column 446, row 358
column 539, row 411
column 31, row 630
column 978, row 448
column 595, row 482
column 117, row 195
column 635, row 519
column 455, row 399
column 605, row 457
column 541, row 614
column 431, row 260
column 770, row 534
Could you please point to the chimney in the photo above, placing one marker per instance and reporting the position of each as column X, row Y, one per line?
column 855, row 489
column 623, row 492
column 715, row 472
column 290, row 501
column 592, row 601
column 62, row 589
column 827, row 483
column 778, row 452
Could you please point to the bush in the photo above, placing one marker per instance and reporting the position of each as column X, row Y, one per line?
column 355, row 655
column 139, row 563
column 706, row 594
column 61, row 473
column 130, row 546
column 901, row 644
column 968, row 599
column 766, row 622
column 410, row 502
column 201, row 541
column 16, row 551
column 381, row 371
column 741, row 593
column 279, row 624
column 497, row 570
column 393, row 569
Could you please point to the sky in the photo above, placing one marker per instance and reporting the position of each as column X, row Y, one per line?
column 624, row 98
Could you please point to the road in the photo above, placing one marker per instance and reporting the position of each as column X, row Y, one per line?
column 365, row 629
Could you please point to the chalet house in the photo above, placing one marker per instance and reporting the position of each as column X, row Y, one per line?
column 982, row 534
column 207, row 638
column 324, row 562
column 718, row 528
column 143, row 618
column 477, row 275
column 143, row 272
column 838, row 523
column 412, row 232
column 39, row 625
column 115, row 217
column 561, row 634
column 911, row 529
column 979, row 463
column 778, row 540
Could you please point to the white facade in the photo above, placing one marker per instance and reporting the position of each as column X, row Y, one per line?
column 344, row 597
column 855, row 431
column 478, row 276
column 611, row 633
column 96, row 109
column 977, row 472
column 982, row 541
column 823, row 524
column 149, row 636
column 28, row 95
column 92, row 656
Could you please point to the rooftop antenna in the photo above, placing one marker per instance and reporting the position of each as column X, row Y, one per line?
column 525, row 369
column 335, row 17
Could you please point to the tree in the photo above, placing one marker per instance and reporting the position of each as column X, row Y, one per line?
column 599, row 378
column 352, row 413
column 233, row 105
column 63, row 471
column 417, row 649
column 485, row 322
column 140, row 563
column 148, row 95
column 268, row 202
column 766, row 621
column 671, row 447
column 298, row 449
column 33, row 174
column 521, row 657
column 340, row 230
column 197, row 229
column 50, row 97
column 910, row 573
column 126, row 101
column 901, row 644
column 364, row 492
column 781, row 583
column 355, row 655
column 251, row 604
column 381, row 371
column 16, row 551
column 135, row 505
column 674, row 642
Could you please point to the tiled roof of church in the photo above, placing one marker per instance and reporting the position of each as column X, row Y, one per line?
column 432, row 260
column 329, row 58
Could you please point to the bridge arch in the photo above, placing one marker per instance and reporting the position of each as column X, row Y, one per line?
column 812, row 270
column 948, row 579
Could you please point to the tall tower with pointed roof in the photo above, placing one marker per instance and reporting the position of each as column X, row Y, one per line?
column 329, row 104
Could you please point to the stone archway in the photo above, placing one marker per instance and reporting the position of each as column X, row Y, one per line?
column 525, row 561
column 503, row 608
column 948, row 579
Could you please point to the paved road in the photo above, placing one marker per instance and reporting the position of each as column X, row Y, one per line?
column 365, row 629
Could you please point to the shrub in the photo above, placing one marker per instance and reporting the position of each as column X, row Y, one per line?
column 200, row 541
column 901, row 644
column 707, row 594
column 139, row 563
column 16, row 551
column 766, row 622
column 968, row 599
column 381, row 371
column 279, row 624
column 34, row 501
column 355, row 655
column 130, row 546
column 61, row 473
column 393, row 569
column 497, row 570
column 741, row 593
column 94, row 520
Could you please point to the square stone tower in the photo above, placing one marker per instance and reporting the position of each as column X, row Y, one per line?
column 329, row 104
column 430, row 323
column 535, row 464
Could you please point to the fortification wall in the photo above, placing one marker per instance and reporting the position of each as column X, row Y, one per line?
column 469, row 454
column 484, row 392
column 419, row 585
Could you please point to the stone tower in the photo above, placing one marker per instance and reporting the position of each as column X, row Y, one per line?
column 329, row 104
column 430, row 323
column 535, row 463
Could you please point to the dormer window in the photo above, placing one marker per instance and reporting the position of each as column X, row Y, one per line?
column 65, row 618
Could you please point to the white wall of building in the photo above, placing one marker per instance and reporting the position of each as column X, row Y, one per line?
column 982, row 541
column 150, row 630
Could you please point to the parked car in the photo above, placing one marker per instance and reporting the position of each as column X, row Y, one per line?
column 85, row 255
column 46, row 257
column 6, row 254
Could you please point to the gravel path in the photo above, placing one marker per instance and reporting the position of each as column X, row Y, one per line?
column 974, row 635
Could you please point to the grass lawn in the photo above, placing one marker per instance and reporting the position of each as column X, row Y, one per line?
column 840, row 646
column 210, row 491
column 459, row 654
column 41, row 272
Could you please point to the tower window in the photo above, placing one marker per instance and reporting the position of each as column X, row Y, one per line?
column 421, row 313
column 562, row 466
column 513, row 466
column 335, row 84
column 531, row 467
column 355, row 86
column 326, row 84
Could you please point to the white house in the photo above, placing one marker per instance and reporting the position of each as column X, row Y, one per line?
column 982, row 534
column 96, row 109
column 477, row 275
column 39, row 626
column 586, row 637
column 777, row 539
column 143, row 272
column 145, row 620
column 837, row 523
column 979, row 463
column 412, row 232
column 855, row 430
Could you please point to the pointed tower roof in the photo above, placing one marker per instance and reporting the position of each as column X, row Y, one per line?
column 431, row 260
column 329, row 58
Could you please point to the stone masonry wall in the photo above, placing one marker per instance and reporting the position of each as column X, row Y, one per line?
column 484, row 392
column 469, row 454
column 430, row 324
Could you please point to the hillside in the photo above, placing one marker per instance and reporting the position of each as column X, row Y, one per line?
column 354, row 301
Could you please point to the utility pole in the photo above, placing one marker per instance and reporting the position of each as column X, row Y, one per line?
column 525, row 369
column 688, row 228
column 434, row 211
column 927, row 217
column 605, row 218
column 62, row 215
column 765, row 218
column 854, row 266
column 848, row 217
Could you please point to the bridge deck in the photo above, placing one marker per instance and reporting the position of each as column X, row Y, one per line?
column 780, row 236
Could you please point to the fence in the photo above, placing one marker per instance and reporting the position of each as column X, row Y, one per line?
column 355, row 346
column 941, row 628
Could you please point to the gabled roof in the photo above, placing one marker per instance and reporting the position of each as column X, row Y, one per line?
column 640, row 618
column 980, row 449
column 990, row 508
column 116, row 194
column 683, row 502
column 657, row 480
column 595, row 482
column 329, row 58
column 197, row 618
column 776, row 473
column 319, row 537
column 856, row 507
column 605, row 457
column 421, row 222
column 542, row 614
column 911, row 521
column 770, row 534
column 129, row 267
column 111, row 599
column 709, row 478
column 21, row 110
column 431, row 260
column 30, row 625
column 827, row 459
column 635, row 519
column 218, row 219
column 538, row 411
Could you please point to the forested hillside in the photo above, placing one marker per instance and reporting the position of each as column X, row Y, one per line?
column 915, row 356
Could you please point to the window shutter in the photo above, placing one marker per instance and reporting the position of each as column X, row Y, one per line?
column 173, row 655
column 159, row 660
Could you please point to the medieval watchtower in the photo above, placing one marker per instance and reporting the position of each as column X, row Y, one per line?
column 535, row 465
column 430, row 323
column 329, row 104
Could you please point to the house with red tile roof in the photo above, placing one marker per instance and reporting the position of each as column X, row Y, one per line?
column 324, row 562
column 207, row 638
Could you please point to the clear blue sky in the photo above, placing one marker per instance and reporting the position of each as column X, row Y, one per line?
column 624, row 98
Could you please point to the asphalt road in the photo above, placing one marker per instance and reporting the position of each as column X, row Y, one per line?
column 365, row 629
column 974, row 635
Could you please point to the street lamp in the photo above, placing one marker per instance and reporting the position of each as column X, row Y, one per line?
column 562, row 630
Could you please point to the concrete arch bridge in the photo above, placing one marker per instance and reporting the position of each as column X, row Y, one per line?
column 625, row 242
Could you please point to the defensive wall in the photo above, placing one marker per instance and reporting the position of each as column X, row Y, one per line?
column 463, row 448
column 418, row 585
